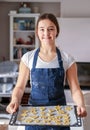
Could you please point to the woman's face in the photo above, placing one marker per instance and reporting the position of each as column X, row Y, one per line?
column 46, row 31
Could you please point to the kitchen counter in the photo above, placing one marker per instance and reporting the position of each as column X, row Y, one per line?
column 23, row 127
column 13, row 128
column 4, row 123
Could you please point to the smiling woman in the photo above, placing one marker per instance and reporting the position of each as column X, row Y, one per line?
column 47, row 66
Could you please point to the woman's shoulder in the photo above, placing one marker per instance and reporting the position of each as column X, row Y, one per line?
column 27, row 58
column 29, row 53
column 67, row 58
column 65, row 55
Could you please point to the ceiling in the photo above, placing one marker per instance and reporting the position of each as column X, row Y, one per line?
column 30, row 0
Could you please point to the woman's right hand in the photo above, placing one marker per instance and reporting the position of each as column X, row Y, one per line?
column 12, row 107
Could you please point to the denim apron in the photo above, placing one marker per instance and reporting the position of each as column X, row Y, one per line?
column 47, row 88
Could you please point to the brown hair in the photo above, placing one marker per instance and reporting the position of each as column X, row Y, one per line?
column 51, row 17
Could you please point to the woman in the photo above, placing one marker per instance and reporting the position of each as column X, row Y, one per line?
column 48, row 66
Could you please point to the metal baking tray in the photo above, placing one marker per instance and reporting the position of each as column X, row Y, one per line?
column 46, row 115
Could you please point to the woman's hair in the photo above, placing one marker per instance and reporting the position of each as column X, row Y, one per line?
column 50, row 17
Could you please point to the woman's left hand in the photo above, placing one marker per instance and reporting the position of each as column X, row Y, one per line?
column 81, row 111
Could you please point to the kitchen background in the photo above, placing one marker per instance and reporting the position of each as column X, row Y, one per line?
column 62, row 9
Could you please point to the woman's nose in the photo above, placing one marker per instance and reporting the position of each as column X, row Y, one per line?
column 46, row 32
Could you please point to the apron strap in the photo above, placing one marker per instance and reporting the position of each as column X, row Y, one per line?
column 59, row 58
column 35, row 58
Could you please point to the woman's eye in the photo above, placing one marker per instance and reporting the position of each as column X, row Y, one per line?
column 51, row 29
column 42, row 29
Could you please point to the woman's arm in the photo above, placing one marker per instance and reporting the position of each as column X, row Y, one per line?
column 19, row 88
column 76, row 92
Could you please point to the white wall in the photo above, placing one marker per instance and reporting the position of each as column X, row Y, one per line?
column 74, row 37
column 75, row 8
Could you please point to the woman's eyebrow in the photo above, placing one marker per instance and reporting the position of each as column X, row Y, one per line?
column 48, row 27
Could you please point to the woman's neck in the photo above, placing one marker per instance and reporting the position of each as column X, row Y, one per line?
column 47, row 53
column 47, row 49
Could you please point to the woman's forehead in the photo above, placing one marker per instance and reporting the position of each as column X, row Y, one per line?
column 46, row 23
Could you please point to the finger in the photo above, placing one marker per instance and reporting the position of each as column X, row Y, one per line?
column 15, row 107
column 11, row 108
column 78, row 111
column 81, row 112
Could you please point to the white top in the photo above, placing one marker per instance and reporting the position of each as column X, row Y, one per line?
column 27, row 58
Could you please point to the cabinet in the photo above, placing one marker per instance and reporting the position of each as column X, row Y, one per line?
column 22, row 34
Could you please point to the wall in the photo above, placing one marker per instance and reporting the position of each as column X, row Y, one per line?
column 68, row 8
column 4, row 25
column 74, row 37
column 75, row 8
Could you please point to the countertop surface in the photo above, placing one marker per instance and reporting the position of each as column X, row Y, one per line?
column 23, row 128
column 5, row 121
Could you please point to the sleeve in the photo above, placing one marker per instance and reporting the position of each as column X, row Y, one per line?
column 68, row 60
column 25, row 59
column 71, row 60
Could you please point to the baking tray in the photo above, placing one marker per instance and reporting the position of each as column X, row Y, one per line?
column 46, row 115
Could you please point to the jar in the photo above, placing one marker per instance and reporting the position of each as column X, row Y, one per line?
column 22, row 25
